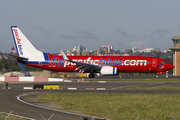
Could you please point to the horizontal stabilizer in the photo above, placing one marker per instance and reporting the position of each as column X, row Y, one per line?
column 20, row 58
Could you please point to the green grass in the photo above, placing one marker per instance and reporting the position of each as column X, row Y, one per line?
column 115, row 106
column 156, row 88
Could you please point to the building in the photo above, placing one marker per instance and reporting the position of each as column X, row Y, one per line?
column 147, row 50
column 176, row 55
column 135, row 49
column 68, row 52
column 126, row 51
column 157, row 50
column 166, row 50
column 80, row 48
column 78, row 52
column 107, row 49
column 94, row 52
column 85, row 53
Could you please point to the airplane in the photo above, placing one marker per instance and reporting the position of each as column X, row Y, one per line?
column 105, row 65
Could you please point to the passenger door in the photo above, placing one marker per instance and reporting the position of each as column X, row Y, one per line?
column 154, row 62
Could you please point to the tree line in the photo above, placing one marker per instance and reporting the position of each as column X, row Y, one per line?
column 8, row 63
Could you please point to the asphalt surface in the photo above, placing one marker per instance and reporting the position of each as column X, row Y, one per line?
column 9, row 102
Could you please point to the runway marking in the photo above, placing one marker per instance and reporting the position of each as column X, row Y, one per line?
column 164, row 86
column 157, row 84
column 160, row 86
column 72, row 88
column 125, row 87
column 19, row 116
column 19, row 99
column 100, row 88
column 27, row 88
column 133, row 86
column 90, row 89
column 55, row 80
column 101, row 81
column 67, row 81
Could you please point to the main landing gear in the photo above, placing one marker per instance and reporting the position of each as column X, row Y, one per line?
column 91, row 75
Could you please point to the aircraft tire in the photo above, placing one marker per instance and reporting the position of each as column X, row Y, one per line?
column 91, row 75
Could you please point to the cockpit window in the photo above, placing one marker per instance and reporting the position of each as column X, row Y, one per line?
column 163, row 61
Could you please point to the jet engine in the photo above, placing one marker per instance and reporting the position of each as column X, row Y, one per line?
column 107, row 70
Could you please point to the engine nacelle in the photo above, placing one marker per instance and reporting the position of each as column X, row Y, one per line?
column 107, row 70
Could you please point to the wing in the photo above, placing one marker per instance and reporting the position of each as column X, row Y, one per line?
column 81, row 65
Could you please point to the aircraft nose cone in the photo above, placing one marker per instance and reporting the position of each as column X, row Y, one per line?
column 170, row 66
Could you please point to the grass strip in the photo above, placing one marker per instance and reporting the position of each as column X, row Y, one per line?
column 155, row 88
column 115, row 106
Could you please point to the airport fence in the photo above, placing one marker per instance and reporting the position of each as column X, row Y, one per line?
column 82, row 118
column 18, row 116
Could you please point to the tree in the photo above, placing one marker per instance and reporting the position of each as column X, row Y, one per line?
column 158, row 55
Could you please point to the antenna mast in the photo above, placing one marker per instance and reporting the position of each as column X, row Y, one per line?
column 178, row 29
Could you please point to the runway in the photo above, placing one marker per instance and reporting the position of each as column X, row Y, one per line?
column 8, row 101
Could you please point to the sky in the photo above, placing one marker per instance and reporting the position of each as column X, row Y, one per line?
column 53, row 25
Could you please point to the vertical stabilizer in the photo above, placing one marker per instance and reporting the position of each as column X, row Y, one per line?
column 24, row 47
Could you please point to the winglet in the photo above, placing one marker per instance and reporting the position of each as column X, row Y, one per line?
column 64, row 56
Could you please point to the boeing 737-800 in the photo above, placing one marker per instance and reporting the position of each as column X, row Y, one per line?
column 105, row 65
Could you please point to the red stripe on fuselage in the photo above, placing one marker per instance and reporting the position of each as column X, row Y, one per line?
column 123, row 63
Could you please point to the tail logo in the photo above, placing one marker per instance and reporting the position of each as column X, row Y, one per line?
column 18, row 41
